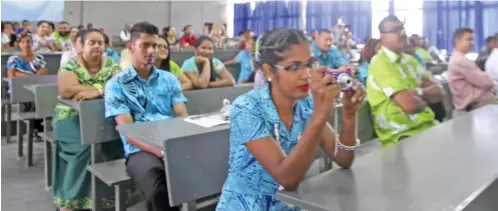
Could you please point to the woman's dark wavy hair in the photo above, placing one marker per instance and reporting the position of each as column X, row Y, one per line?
column 274, row 45
column 165, row 63
column 197, row 43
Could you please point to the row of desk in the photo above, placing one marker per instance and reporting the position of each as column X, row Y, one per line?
column 53, row 61
column 453, row 166
column 53, row 58
column 450, row 167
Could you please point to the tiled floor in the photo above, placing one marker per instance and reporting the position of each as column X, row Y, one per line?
column 23, row 188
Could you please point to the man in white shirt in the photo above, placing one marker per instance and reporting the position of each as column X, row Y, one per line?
column 125, row 33
column 491, row 66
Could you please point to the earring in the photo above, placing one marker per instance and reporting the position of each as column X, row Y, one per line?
column 269, row 79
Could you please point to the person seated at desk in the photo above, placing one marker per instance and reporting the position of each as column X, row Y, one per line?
column 217, row 37
column 109, row 51
column 437, row 107
column 328, row 55
column 170, row 34
column 471, row 87
column 244, row 58
column 204, row 70
column 125, row 56
column 62, row 38
column 75, row 47
column 492, row 66
column 26, row 28
column 143, row 93
column 398, row 88
column 371, row 48
column 188, row 38
column 27, row 63
column 275, row 130
column 8, row 37
column 491, row 43
column 164, row 62
column 81, row 78
column 420, row 52
column 42, row 42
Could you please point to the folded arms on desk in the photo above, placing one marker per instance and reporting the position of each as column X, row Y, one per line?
column 409, row 100
column 69, row 86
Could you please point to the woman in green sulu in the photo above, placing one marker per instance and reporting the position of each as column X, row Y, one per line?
column 164, row 62
column 81, row 78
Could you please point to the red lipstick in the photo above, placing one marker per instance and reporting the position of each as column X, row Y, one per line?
column 304, row 87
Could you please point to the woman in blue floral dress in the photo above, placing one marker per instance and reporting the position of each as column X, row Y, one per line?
column 275, row 130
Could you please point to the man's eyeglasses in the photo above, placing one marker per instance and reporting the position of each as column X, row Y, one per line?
column 400, row 31
column 311, row 64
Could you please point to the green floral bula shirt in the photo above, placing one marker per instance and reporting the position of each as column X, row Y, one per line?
column 388, row 74
column 109, row 66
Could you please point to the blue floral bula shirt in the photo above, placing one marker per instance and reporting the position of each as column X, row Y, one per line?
column 249, row 187
column 145, row 100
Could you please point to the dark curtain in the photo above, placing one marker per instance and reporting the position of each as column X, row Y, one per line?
column 324, row 15
column 241, row 17
column 441, row 18
column 267, row 15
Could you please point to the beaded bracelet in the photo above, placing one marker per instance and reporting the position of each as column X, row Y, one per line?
column 348, row 148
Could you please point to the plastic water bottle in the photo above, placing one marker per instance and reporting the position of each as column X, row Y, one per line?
column 225, row 109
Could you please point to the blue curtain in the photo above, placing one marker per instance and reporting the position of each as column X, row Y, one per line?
column 241, row 17
column 266, row 16
column 324, row 15
column 441, row 18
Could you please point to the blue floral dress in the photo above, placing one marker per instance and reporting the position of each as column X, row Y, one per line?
column 249, row 187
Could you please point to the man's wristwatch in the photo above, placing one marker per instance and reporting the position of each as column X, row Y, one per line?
column 420, row 91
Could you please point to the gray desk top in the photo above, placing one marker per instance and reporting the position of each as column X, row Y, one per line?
column 32, row 87
column 44, row 54
column 40, row 78
column 443, row 168
column 155, row 133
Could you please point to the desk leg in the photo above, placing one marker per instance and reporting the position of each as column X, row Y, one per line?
column 3, row 115
column 19, row 134
column 48, row 157
column 8, row 125
column 120, row 194
column 189, row 206
column 96, row 196
column 29, row 160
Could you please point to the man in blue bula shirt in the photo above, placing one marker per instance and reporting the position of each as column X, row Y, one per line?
column 144, row 93
column 325, row 53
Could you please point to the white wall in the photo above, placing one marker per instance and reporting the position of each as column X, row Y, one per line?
column 112, row 15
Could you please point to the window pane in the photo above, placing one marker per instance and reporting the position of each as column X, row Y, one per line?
column 410, row 4
column 489, row 15
column 413, row 19
column 380, row 5
column 377, row 16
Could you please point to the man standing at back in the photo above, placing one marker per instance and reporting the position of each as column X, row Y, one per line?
column 125, row 33
column 398, row 88
column 143, row 93
column 471, row 87
column 327, row 54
